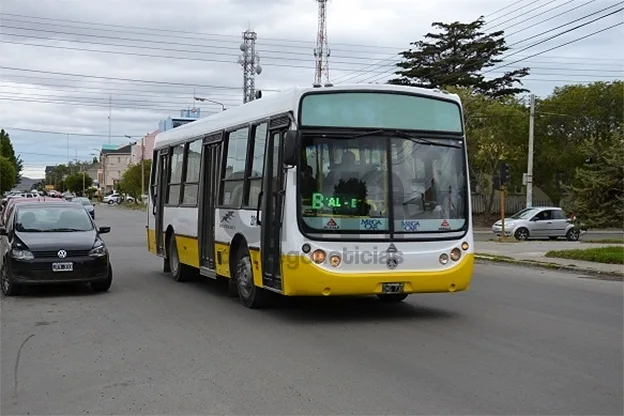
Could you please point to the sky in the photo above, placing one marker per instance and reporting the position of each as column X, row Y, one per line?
column 65, row 63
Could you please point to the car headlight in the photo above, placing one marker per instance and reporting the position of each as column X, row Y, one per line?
column 509, row 224
column 98, row 250
column 21, row 254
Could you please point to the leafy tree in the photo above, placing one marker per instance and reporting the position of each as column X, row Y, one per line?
column 456, row 57
column 7, row 175
column 496, row 130
column 597, row 193
column 6, row 150
column 571, row 117
column 131, row 179
column 78, row 181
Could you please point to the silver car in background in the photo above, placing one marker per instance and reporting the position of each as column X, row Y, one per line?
column 86, row 203
column 539, row 222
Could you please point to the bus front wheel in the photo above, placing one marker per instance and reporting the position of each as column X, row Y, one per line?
column 393, row 298
column 249, row 294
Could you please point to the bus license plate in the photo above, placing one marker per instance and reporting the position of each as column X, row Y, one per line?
column 63, row 267
column 392, row 287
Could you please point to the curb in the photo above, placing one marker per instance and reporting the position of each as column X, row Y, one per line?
column 591, row 273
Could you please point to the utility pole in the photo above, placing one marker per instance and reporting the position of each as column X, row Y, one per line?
column 142, row 167
column 110, row 113
column 250, row 61
column 68, row 151
column 529, row 176
column 322, row 52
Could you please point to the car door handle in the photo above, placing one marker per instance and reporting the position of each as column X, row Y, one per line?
column 549, row 222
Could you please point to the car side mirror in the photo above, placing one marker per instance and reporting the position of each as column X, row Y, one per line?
column 291, row 147
column 104, row 230
column 3, row 231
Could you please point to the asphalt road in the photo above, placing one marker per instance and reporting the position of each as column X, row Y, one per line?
column 520, row 341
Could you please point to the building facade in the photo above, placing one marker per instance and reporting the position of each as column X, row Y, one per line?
column 114, row 160
column 147, row 144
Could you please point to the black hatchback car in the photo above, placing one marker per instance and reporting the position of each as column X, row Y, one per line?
column 48, row 242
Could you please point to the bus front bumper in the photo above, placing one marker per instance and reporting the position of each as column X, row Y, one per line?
column 307, row 279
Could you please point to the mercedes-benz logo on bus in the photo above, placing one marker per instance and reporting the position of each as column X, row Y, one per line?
column 392, row 263
column 61, row 254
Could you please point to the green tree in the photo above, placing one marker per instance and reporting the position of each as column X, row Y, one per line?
column 6, row 150
column 597, row 192
column 78, row 181
column 7, row 175
column 568, row 119
column 131, row 179
column 496, row 130
column 456, row 56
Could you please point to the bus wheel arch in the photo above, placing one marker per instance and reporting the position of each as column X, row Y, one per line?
column 180, row 271
column 250, row 295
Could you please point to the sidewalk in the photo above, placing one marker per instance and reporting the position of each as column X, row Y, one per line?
column 532, row 253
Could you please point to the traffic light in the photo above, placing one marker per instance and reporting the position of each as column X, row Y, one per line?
column 504, row 173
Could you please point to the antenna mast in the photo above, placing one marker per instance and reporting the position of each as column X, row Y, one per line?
column 322, row 51
column 250, row 61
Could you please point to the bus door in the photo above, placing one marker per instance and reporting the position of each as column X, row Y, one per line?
column 210, row 168
column 159, row 194
column 272, row 203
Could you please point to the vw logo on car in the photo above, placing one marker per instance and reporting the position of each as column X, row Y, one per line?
column 62, row 254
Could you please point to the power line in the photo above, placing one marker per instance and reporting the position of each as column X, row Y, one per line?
column 550, row 18
column 7, row 128
column 570, row 22
column 533, row 17
column 125, row 79
column 158, row 42
column 515, row 10
column 506, row 7
column 559, row 46
column 168, row 32
column 528, row 11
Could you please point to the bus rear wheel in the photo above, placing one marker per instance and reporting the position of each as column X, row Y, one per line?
column 393, row 298
column 250, row 295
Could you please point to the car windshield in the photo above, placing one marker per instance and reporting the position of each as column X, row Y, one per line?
column 524, row 214
column 83, row 201
column 345, row 184
column 68, row 218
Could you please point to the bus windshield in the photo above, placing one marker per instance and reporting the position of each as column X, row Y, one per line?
column 350, row 185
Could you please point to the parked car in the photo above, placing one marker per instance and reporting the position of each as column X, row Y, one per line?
column 86, row 203
column 44, row 243
column 539, row 222
column 116, row 198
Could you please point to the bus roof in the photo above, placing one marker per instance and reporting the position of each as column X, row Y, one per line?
column 280, row 102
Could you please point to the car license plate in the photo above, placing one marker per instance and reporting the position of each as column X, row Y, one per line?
column 63, row 267
column 392, row 287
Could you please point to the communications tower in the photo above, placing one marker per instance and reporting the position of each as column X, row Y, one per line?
column 250, row 61
column 322, row 52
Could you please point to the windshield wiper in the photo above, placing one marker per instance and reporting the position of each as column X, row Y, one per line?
column 61, row 230
column 404, row 135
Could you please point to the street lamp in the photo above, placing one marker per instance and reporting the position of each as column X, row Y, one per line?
column 202, row 99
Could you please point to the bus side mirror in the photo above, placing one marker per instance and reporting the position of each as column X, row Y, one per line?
column 291, row 147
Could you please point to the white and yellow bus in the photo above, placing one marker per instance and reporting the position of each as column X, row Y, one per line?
column 343, row 190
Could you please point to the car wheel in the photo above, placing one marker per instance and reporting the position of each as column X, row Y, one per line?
column 111, row 202
column 573, row 234
column 392, row 298
column 249, row 294
column 103, row 285
column 521, row 234
column 9, row 287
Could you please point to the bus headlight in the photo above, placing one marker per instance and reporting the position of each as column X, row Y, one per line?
column 444, row 258
column 455, row 254
column 335, row 260
column 465, row 246
column 318, row 256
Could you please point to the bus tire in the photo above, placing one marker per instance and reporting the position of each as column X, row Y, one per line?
column 250, row 295
column 181, row 272
column 393, row 298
